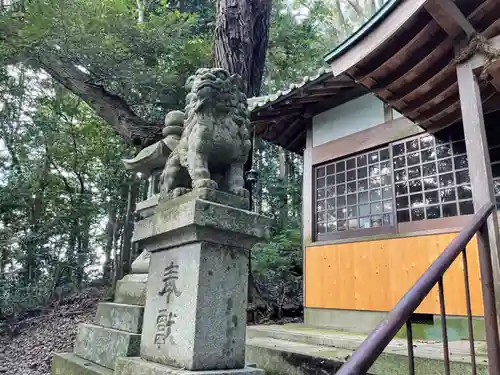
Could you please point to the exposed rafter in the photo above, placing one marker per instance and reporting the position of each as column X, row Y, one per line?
column 449, row 17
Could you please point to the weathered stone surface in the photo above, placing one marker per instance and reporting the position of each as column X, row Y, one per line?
column 207, row 309
column 215, row 141
column 119, row 316
column 199, row 322
column 71, row 364
column 103, row 345
column 131, row 290
column 290, row 358
column 298, row 349
column 146, row 208
column 137, row 366
column 141, row 264
column 167, row 227
column 211, row 195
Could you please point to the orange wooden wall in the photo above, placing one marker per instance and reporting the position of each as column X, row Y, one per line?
column 374, row 275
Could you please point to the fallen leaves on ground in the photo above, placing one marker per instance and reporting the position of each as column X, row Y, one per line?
column 30, row 351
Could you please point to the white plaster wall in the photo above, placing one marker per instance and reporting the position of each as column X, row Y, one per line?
column 348, row 118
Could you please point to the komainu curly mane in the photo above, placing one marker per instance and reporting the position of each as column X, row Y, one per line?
column 215, row 142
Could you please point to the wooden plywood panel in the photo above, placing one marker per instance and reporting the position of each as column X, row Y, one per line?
column 374, row 275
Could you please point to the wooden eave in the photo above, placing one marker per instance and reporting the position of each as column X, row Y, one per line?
column 283, row 118
column 407, row 59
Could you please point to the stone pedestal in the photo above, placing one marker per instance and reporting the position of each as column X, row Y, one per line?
column 195, row 314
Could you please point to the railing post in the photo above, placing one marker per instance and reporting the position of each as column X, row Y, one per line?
column 490, row 310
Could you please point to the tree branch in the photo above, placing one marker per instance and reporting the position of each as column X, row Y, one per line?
column 110, row 107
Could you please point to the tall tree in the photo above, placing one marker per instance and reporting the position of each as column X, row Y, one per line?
column 241, row 37
column 53, row 35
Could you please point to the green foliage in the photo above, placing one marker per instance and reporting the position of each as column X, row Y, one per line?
column 296, row 48
column 60, row 169
column 302, row 32
column 15, row 300
column 277, row 267
column 144, row 63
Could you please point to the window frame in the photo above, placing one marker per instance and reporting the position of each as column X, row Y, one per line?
column 436, row 174
column 360, row 232
column 452, row 223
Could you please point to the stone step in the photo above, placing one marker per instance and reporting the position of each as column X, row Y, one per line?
column 281, row 357
column 305, row 335
column 120, row 316
column 136, row 366
column 298, row 350
column 71, row 364
column 103, row 345
column 131, row 290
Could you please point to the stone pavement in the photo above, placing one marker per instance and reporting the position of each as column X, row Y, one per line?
column 334, row 347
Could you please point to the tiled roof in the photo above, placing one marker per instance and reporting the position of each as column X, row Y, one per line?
column 262, row 101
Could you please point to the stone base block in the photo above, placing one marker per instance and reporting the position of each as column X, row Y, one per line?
column 135, row 366
column 211, row 195
column 119, row 316
column 200, row 326
column 103, row 345
column 131, row 290
column 71, row 364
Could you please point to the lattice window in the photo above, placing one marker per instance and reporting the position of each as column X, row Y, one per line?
column 355, row 193
column 431, row 178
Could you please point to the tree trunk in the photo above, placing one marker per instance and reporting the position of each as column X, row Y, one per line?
column 3, row 260
column 296, row 189
column 118, row 237
column 71, row 252
column 128, row 227
column 241, row 37
column 141, row 11
column 83, row 247
column 108, row 249
column 116, row 254
column 284, row 189
column 240, row 44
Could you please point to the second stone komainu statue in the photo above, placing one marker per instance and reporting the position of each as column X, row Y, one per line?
column 215, row 142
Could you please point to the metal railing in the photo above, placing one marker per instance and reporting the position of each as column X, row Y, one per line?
column 377, row 341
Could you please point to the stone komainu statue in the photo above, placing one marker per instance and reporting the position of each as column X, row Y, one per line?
column 215, row 142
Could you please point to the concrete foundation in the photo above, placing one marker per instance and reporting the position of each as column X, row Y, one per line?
column 364, row 322
column 344, row 320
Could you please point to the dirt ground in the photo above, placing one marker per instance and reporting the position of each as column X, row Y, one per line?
column 30, row 351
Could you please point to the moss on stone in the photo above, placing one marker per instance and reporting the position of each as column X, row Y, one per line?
column 70, row 364
column 457, row 328
column 393, row 364
column 318, row 330
column 130, row 293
